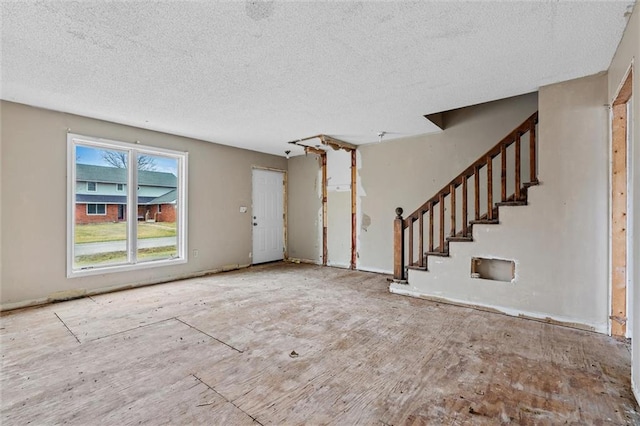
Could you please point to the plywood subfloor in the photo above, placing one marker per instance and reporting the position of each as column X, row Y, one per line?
column 219, row 350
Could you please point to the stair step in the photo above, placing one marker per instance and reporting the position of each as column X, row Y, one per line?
column 460, row 239
column 512, row 203
column 532, row 183
column 437, row 253
column 417, row 268
column 484, row 222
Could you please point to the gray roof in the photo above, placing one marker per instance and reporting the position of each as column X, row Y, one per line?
column 169, row 197
column 91, row 173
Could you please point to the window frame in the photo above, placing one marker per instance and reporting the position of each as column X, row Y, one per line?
column 96, row 213
column 133, row 151
column 95, row 187
column 119, row 187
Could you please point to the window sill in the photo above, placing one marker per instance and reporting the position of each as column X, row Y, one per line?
column 76, row 273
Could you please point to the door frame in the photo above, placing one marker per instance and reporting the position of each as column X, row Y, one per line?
column 619, row 202
column 285, row 186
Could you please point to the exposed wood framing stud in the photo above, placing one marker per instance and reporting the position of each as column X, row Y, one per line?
column 323, row 159
column 625, row 91
column 619, row 220
column 337, row 143
column 354, row 173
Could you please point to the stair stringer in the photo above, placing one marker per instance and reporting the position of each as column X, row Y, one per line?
column 525, row 235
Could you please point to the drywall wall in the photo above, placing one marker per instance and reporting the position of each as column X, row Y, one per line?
column 629, row 51
column 34, row 168
column 305, row 208
column 406, row 172
column 559, row 242
column 338, row 208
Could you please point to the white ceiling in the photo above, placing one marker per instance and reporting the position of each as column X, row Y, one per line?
column 256, row 74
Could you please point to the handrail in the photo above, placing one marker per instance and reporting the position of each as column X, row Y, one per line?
column 486, row 160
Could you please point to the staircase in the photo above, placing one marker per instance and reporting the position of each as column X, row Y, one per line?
column 444, row 218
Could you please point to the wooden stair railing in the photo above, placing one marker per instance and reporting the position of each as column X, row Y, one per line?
column 459, row 226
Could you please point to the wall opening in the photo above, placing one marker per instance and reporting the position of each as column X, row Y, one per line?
column 493, row 269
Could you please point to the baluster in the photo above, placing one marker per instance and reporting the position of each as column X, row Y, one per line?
column 441, row 201
column 517, row 184
column 503, row 173
column 476, row 183
column 421, row 239
column 452, row 193
column 465, row 220
column 489, row 187
column 430, row 227
column 532, row 153
column 410, row 241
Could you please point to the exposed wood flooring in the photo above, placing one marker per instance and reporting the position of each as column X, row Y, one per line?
column 218, row 350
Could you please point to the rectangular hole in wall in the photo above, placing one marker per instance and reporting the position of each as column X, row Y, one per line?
column 493, row 269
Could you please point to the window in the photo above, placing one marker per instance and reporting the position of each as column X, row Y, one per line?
column 100, row 243
column 96, row 209
column 159, row 208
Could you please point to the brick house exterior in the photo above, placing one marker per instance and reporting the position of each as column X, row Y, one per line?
column 101, row 195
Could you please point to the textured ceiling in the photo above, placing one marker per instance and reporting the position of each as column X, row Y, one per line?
column 257, row 74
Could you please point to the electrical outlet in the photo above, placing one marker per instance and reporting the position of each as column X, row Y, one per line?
column 196, row 252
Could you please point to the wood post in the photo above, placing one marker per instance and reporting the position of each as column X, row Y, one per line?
column 452, row 194
column 398, row 246
column 353, row 208
column 441, row 245
column 476, row 191
column 421, row 239
column 503, row 173
column 489, row 187
column 518, row 196
column 465, row 217
column 619, row 200
column 410, row 231
column 430, row 227
column 324, row 208
column 533, row 178
column 619, row 221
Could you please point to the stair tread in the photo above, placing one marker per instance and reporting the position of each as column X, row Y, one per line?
column 437, row 253
column 532, row 183
column 417, row 268
column 485, row 222
column 512, row 203
column 460, row 238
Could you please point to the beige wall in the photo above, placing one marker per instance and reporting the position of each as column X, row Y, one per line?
column 406, row 172
column 559, row 242
column 305, row 208
column 34, row 168
column 628, row 51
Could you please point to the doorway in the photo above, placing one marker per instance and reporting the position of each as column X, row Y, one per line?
column 268, row 215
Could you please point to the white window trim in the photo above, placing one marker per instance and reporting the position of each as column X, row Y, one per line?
column 96, row 204
column 120, row 187
column 95, row 186
column 132, row 208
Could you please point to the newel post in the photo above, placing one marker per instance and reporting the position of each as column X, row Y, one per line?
column 398, row 246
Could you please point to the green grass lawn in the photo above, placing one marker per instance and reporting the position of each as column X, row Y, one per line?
column 121, row 256
column 110, row 231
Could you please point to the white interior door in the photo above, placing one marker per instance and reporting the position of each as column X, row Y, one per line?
column 268, row 215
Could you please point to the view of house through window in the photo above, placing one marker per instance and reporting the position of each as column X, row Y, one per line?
column 122, row 216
